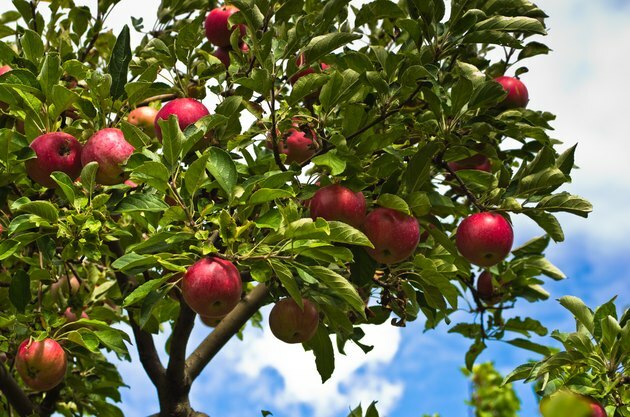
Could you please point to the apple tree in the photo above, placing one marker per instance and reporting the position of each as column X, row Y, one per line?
column 353, row 165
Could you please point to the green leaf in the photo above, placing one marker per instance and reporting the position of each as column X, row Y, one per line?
column 20, row 290
column 341, row 232
column 119, row 63
column 141, row 202
column 339, row 286
column 113, row 340
column 582, row 313
column 324, row 44
column 88, row 176
column 473, row 352
column 533, row 49
column 50, row 73
column 196, row 174
column 65, row 185
column 265, row 195
column 332, row 160
column 134, row 135
column 43, row 209
column 32, row 45
column 548, row 223
column 287, row 280
column 153, row 173
column 523, row 24
column 322, row 348
column 377, row 10
column 134, row 263
column 566, row 202
column 306, row 85
column 143, row 290
column 172, row 138
column 8, row 247
column 86, row 338
column 419, row 167
column 223, row 169
column 394, row 202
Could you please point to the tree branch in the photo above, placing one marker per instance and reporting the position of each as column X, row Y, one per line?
column 461, row 183
column 274, row 129
column 49, row 404
column 176, row 370
column 227, row 328
column 14, row 394
column 148, row 354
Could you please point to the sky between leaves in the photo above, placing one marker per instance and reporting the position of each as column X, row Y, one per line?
column 409, row 372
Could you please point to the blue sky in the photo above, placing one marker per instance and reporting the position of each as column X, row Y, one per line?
column 584, row 81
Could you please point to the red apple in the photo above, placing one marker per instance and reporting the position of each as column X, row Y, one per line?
column 336, row 202
column 486, row 290
column 71, row 316
column 56, row 151
column 109, row 148
column 224, row 53
column 478, row 162
column 42, row 365
column 130, row 184
column 301, row 62
column 211, row 321
column 144, row 118
column 517, row 92
column 212, row 287
column 187, row 110
column 395, row 235
column 299, row 145
column 484, row 239
column 291, row 324
column 598, row 410
column 218, row 30
column 5, row 69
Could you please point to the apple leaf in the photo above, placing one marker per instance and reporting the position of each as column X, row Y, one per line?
column 287, row 280
column 393, row 202
column 341, row 232
column 265, row 195
column 20, row 290
column 322, row 348
column 172, row 138
column 143, row 290
column 223, row 169
column 119, row 63
column 419, row 167
column 582, row 313
column 153, row 173
column 134, row 135
column 566, row 202
column 324, row 44
column 377, row 10
column 141, row 203
column 547, row 222
column 196, row 174
column 339, row 286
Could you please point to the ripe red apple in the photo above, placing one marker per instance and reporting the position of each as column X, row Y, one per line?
column 517, row 92
column 211, row 321
column 56, row 151
column 212, row 287
column 42, row 365
column 217, row 27
column 486, row 290
column 336, row 202
column 5, row 69
column 71, row 316
column 224, row 53
column 144, row 118
column 291, row 324
column 598, row 410
column 484, row 239
column 298, row 144
column 109, row 148
column 395, row 235
column 478, row 162
column 187, row 110
column 301, row 62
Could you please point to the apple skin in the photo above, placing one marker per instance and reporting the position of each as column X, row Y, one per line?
column 517, row 93
column 109, row 148
column 211, row 321
column 486, row 290
column 187, row 110
column 484, row 239
column 298, row 145
column 212, row 287
column 598, row 410
column 395, row 235
column 56, row 151
column 217, row 30
column 61, row 286
column 223, row 54
column 4, row 69
column 71, row 316
column 289, row 323
column 336, row 202
column 300, row 62
column 42, row 365
column 144, row 118
column 478, row 162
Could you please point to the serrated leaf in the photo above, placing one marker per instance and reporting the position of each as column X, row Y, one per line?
column 265, row 195
column 43, row 209
column 548, row 223
column 153, row 173
column 324, row 44
column 119, row 63
column 582, row 313
column 141, row 202
column 393, row 202
column 567, row 203
column 419, row 167
column 322, row 348
column 287, row 280
column 344, row 233
column 20, row 290
column 143, row 290
column 196, row 174
column 223, row 169
column 339, row 286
